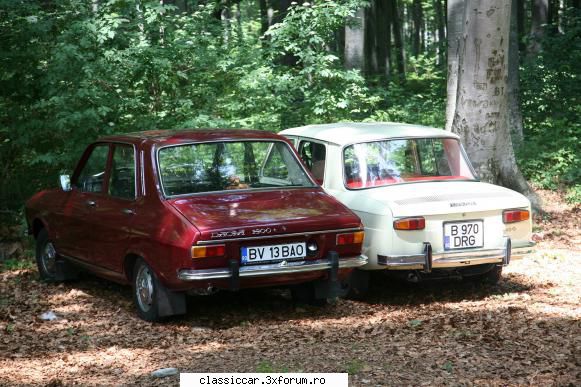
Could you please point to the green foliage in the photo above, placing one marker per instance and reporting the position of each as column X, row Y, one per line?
column 421, row 100
column 551, row 86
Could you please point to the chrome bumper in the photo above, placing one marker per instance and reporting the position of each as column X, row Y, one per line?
column 428, row 261
column 279, row 268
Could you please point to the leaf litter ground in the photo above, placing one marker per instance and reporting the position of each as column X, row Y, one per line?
column 524, row 331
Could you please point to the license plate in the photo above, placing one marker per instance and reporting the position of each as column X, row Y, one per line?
column 273, row 252
column 463, row 235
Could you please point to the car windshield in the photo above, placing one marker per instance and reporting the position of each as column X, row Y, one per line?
column 229, row 165
column 380, row 163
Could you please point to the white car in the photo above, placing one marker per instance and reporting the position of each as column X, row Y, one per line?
column 422, row 205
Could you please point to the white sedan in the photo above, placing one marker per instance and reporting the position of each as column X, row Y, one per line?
column 422, row 205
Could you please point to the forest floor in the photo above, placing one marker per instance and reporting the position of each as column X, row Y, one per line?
column 524, row 331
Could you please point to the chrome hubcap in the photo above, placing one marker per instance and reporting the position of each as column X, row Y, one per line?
column 48, row 259
column 144, row 288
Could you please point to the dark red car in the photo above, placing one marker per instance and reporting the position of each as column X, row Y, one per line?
column 175, row 212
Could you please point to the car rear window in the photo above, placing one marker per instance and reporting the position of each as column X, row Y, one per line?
column 381, row 163
column 229, row 165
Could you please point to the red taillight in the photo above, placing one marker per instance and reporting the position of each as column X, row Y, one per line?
column 415, row 223
column 208, row 251
column 512, row 216
column 350, row 238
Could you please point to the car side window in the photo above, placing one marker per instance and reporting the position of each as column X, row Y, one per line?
column 313, row 155
column 122, row 176
column 92, row 176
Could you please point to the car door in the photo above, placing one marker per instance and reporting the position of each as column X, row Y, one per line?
column 88, row 185
column 115, row 210
column 314, row 156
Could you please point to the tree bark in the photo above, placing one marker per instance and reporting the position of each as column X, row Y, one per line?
column 480, row 116
column 520, row 11
column 355, row 41
column 397, row 39
column 263, row 17
column 441, row 26
column 417, row 27
column 455, row 17
column 515, row 123
column 540, row 17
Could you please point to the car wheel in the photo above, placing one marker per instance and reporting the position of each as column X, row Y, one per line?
column 46, row 257
column 307, row 294
column 145, row 288
column 491, row 277
column 51, row 266
column 153, row 301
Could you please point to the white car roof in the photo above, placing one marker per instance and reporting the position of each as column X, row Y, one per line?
column 343, row 133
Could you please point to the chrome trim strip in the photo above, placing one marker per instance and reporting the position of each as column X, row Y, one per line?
column 279, row 268
column 210, row 242
column 454, row 259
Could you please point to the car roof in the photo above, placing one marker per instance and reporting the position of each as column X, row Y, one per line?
column 171, row 137
column 344, row 133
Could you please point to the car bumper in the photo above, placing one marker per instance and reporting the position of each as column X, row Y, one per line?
column 428, row 261
column 274, row 269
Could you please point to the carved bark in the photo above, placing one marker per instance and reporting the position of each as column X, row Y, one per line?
column 480, row 115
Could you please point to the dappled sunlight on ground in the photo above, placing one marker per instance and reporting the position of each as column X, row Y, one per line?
column 525, row 330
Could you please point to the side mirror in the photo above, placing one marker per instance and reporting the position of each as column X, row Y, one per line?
column 65, row 181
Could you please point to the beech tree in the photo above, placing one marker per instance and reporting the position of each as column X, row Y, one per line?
column 478, row 90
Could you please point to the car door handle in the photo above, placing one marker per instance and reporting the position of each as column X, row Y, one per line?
column 91, row 203
column 128, row 211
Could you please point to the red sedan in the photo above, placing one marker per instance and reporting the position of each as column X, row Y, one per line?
column 195, row 211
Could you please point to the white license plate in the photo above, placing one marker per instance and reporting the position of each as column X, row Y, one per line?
column 273, row 252
column 463, row 235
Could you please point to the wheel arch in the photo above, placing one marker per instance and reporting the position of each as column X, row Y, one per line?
column 37, row 226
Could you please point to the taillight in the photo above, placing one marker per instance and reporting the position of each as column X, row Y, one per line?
column 350, row 238
column 512, row 216
column 208, row 251
column 415, row 223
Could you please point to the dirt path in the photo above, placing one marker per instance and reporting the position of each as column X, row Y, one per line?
column 526, row 330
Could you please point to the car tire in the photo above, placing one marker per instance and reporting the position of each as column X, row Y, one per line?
column 307, row 294
column 491, row 277
column 51, row 266
column 358, row 284
column 153, row 301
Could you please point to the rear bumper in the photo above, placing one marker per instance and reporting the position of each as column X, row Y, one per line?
column 428, row 261
column 273, row 269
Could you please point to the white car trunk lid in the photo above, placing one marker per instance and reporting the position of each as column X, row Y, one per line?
column 434, row 198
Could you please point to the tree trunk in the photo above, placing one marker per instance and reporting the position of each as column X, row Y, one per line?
column 520, row 16
column 440, row 24
column 355, row 41
column 515, row 123
column 455, row 17
column 397, row 39
column 417, row 27
column 382, row 38
column 263, row 17
column 480, row 116
column 540, row 17
column 369, row 46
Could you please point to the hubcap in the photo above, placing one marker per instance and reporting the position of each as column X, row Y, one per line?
column 144, row 288
column 48, row 259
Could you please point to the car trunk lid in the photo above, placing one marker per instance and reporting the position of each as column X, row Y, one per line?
column 245, row 214
column 436, row 198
